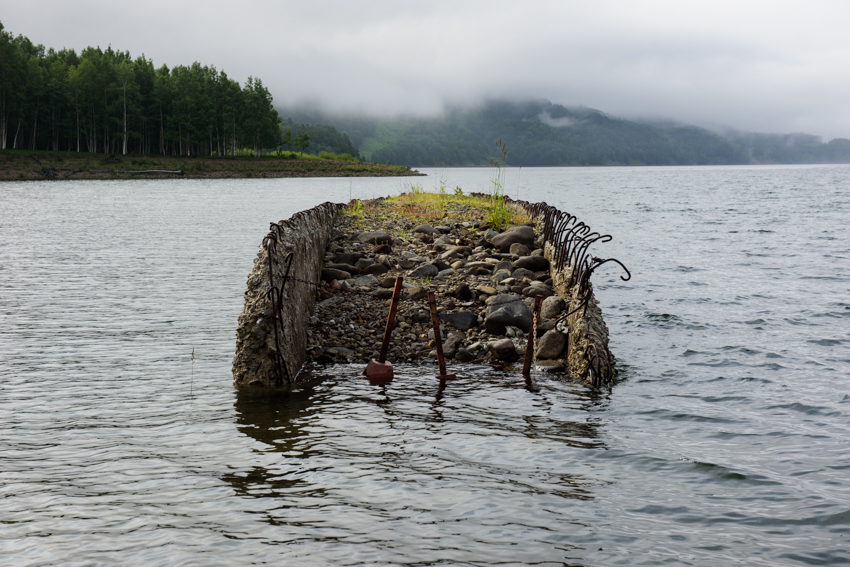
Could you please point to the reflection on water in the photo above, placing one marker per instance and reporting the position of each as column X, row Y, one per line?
column 450, row 469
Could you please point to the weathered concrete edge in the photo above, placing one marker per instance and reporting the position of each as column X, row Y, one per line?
column 579, row 323
column 255, row 362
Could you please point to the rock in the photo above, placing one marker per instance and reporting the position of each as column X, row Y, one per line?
column 538, row 289
column 342, row 351
column 538, row 252
column 490, row 234
column 464, row 355
column 452, row 344
column 324, row 359
column 486, row 290
column 544, row 326
column 517, row 235
column 462, row 292
column 500, row 276
column 383, row 249
column 329, row 274
column 443, row 228
column 520, row 273
column 551, row 307
column 443, row 274
column 348, row 258
column 375, row 269
column 376, row 237
column 366, row 281
column 458, row 265
column 416, row 293
column 388, row 281
column 533, row 263
column 424, row 271
column 519, row 249
column 363, row 262
column 503, row 349
column 513, row 332
column 425, row 229
column 506, row 309
column 551, row 345
column 441, row 265
column 503, row 266
column 331, row 301
column 383, row 293
column 406, row 264
column 460, row 320
column 353, row 270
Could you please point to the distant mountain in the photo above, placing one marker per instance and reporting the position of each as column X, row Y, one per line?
column 539, row 133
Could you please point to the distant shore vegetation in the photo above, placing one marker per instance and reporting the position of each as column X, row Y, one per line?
column 105, row 101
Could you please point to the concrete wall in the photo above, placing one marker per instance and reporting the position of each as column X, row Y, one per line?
column 255, row 363
column 579, row 323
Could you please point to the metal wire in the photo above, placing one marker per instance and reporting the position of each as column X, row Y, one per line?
column 570, row 241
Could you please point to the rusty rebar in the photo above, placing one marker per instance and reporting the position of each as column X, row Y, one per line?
column 532, row 334
column 438, row 340
column 388, row 331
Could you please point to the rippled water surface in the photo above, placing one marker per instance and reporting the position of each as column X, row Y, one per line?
column 726, row 442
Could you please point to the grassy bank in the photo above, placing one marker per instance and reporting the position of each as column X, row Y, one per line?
column 18, row 165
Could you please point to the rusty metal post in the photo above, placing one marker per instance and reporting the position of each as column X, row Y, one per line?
column 532, row 334
column 381, row 369
column 438, row 340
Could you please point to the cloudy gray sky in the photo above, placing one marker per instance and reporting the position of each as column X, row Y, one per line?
column 772, row 66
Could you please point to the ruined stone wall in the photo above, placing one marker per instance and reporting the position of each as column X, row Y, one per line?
column 579, row 323
column 256, row 361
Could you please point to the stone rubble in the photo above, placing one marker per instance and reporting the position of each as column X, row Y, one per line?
column 485, row 284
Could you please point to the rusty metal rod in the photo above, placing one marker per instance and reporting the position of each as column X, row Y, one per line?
column 532, row 334
column 435, row 321
column 388, row 331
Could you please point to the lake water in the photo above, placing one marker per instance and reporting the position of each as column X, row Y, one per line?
column 727, row 440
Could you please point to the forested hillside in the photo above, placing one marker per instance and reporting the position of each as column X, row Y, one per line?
column 539, row 133
column 106, row 101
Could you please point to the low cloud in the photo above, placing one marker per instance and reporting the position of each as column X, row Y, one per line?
column 759, row 66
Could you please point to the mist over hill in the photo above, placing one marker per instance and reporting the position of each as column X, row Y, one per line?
column 540, row 133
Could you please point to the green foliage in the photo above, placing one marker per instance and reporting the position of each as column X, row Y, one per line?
column 500, row 214
column 302, row 140
column 322, row 138
column 106, row 101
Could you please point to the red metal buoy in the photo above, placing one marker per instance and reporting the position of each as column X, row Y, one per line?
column 380, row 370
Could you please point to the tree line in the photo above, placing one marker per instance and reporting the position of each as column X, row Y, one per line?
column 106, row 101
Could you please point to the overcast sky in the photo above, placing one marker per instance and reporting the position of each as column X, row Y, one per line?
column 771, row 66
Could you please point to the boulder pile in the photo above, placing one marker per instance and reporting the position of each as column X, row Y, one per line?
column 485, row 282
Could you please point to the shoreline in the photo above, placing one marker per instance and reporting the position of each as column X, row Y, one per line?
column 22, row 165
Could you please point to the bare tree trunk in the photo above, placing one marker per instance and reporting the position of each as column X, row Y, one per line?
column 4, row 122
column 77, row 106
column 17, row 131
column 35, row 125
column 125, row 117
column 161, row 132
